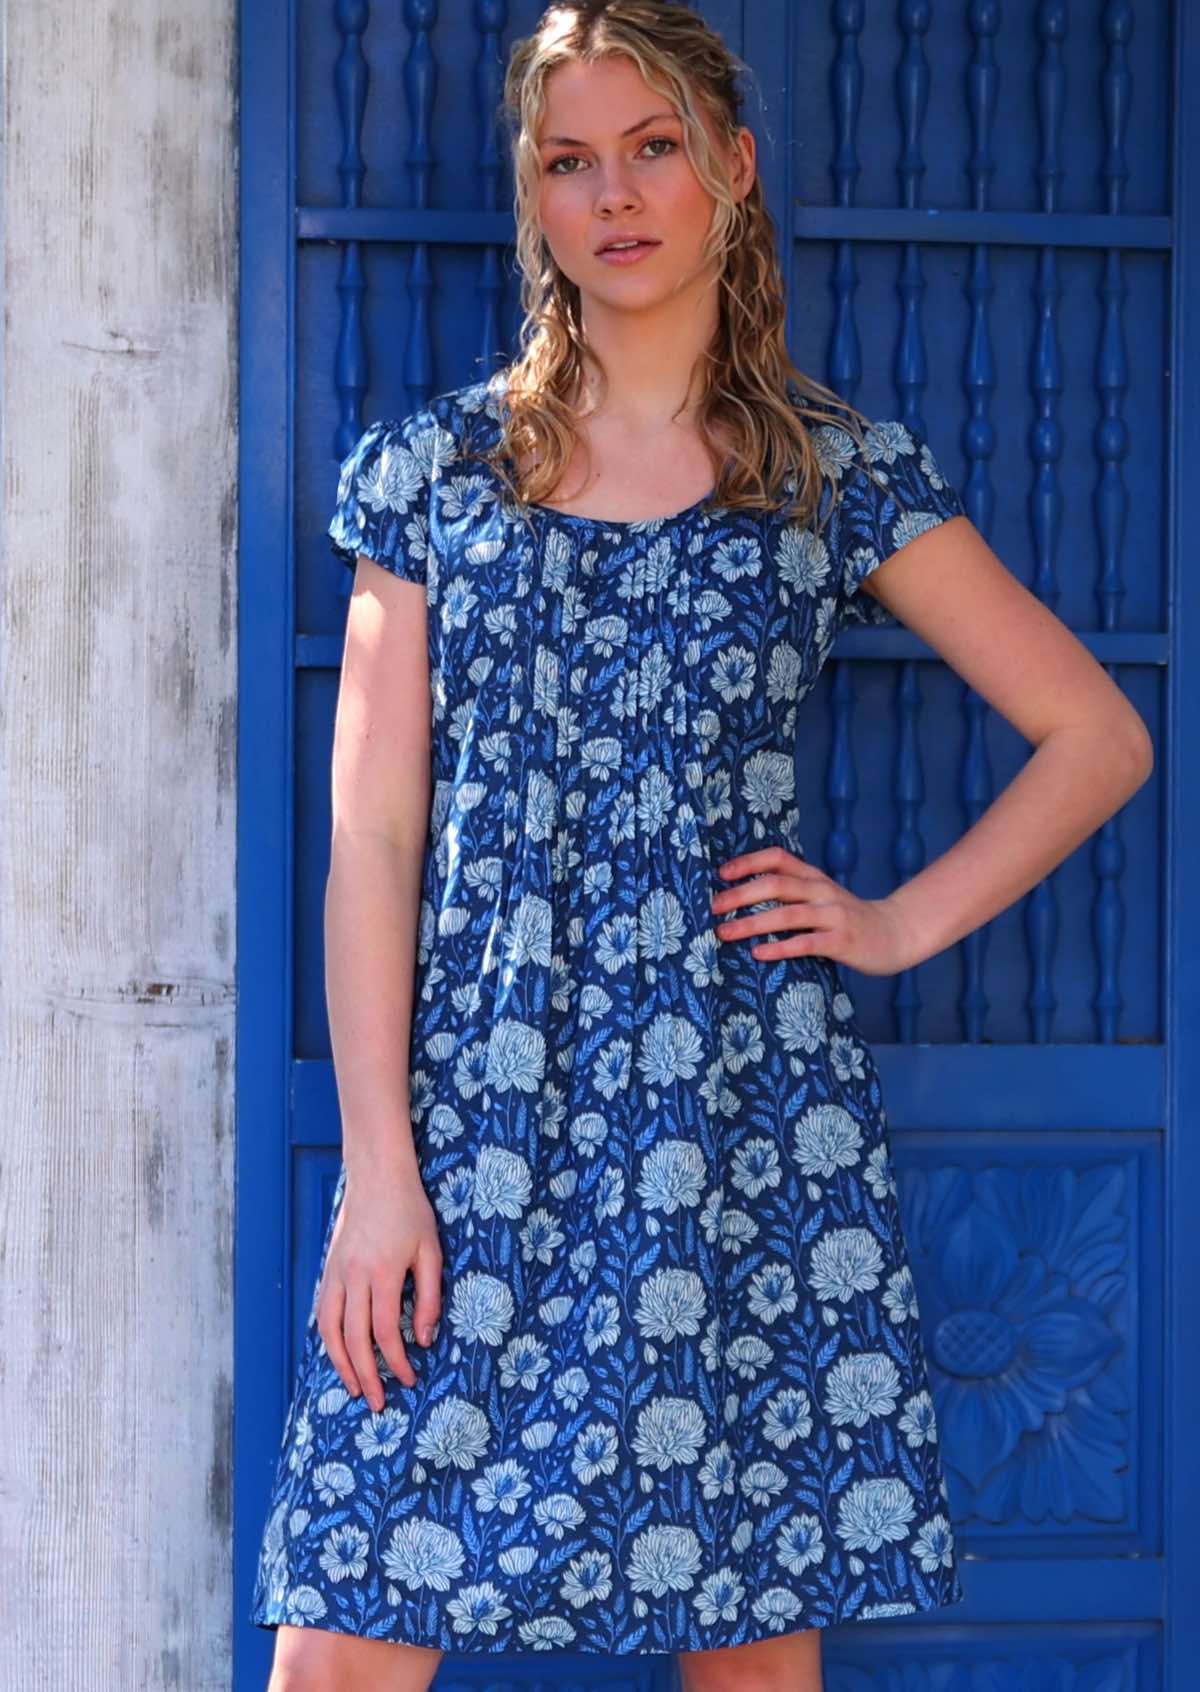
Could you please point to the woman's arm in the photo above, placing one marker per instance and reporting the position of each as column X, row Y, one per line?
column 1092, row 748
column 386, row 1227
column 381, row 792
column 1092, row 752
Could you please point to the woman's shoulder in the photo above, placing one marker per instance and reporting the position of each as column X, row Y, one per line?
column 470, row 412
column 455, row 418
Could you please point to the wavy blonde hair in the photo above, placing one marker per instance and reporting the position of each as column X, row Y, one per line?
column 747, row 369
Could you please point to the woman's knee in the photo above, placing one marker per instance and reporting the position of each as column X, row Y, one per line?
column 316, row 1659
column 789, row 1663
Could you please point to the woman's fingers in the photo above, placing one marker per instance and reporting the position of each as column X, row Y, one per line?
column 330, row 1314
column 766, row 858
column 801, row 901
column 360, row 1303
column 359, row 1343
column 385, row 1318
column 775, row 884
column 427, row 1284
column 791, row 913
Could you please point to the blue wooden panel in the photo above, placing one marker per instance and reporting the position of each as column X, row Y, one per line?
column 988, row 224
column 314, row 1177
column 1182, row 842
column 262, row 1283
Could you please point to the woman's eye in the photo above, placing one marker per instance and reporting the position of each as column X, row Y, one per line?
column 574, row 158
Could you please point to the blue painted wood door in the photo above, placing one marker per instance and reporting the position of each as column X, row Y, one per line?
column 988, row 218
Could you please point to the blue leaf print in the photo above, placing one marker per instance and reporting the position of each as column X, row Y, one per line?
column 671, row 1270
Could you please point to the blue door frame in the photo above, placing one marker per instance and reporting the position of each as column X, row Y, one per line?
column 1055, row 1105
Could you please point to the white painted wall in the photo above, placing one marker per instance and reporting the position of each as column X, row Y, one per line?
column 117, row 816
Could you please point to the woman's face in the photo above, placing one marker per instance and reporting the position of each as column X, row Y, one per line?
column 613, row 165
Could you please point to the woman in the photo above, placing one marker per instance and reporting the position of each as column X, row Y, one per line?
column 658, row 1383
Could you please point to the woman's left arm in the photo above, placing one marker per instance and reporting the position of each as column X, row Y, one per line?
column 1092, row 748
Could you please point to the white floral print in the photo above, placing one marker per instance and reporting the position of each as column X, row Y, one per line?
column 677, row 1397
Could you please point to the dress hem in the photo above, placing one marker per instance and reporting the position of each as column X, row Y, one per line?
column 261, row 1617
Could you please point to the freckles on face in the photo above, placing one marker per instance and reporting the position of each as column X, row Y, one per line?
column 612, row 157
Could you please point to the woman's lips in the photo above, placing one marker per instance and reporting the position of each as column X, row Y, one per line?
column 627, row 255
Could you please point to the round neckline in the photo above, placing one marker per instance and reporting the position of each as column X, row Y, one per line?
column 622, row 522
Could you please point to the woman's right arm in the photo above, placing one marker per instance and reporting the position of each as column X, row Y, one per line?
column 381, row 794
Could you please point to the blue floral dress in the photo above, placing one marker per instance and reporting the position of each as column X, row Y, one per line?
column 677, row 1397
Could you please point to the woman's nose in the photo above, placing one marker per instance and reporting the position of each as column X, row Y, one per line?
column 616, row 193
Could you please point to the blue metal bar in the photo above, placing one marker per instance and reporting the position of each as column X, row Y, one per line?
column 965, row 1089
column 926, row 224
column 265, row 636
column 321, row 652
column 1181, row 1266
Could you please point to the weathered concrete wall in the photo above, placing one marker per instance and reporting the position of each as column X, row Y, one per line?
column 117, row 771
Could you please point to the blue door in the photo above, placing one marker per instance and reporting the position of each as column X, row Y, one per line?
column 990, row 225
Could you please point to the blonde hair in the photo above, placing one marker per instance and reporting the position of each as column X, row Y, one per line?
column 747, row 370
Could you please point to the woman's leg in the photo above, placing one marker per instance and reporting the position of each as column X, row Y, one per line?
column 789, row 1663
column 315, row 1659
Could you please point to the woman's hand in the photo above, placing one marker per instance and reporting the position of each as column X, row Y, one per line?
column 382, row 1231
column 867, row 934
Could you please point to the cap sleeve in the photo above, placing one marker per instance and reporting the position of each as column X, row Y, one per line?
column 905, row 494
column 384, row 493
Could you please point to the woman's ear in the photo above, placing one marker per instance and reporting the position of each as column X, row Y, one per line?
column 743, row 164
